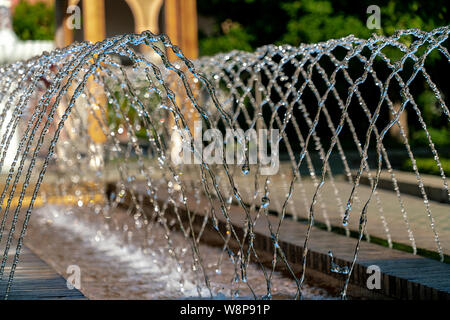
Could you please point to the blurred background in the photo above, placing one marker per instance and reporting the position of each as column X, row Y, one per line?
column 207, row 27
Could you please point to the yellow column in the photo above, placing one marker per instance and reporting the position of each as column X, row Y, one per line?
column 146, row 14
column 181, row 25
column 68, row 34
column 94, row 31
column 94, row 20
column 189, row 38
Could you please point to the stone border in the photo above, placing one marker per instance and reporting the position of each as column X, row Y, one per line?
column 407, row 184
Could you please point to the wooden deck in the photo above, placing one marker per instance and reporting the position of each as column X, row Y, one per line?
column 35, row 280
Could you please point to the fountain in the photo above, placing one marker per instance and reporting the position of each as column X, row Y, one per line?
column 12, row 49
column 148, row 139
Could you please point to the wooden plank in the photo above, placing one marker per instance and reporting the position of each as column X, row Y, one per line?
column 35, row 280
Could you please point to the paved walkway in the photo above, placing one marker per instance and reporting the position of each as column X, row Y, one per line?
column 330, row 206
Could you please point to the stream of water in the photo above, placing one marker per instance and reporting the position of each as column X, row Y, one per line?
column 78, row 119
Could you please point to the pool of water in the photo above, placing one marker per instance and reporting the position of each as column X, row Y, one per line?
column 119, row 259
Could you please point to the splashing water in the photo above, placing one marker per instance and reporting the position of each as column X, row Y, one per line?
column 65, row 234
column 101, row 132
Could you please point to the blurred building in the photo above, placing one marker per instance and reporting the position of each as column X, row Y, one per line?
column 106, row 18
column 100, row 19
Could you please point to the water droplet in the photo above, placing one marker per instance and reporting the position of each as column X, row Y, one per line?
column 265, row 201
column 245, row 168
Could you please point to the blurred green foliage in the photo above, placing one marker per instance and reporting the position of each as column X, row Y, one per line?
column 34, row 21
column 437, row 125
column 428, row 165
column 440, row 137
column 306, row 21
column 313, row 21
column 236, row 38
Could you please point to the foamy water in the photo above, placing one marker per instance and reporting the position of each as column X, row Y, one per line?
column 115, row 263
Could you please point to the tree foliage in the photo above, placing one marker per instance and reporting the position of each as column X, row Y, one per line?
column 34, row 21
column 308, row 21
